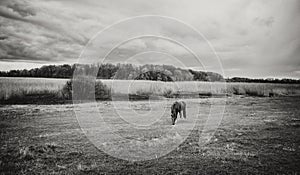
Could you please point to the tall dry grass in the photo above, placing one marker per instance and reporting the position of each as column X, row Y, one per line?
column 18, row 87
column 161, row 88
column 263, row 89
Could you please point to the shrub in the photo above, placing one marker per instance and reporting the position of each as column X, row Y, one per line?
column 256, row 91
column 140, row 94
column 86, row 89
column 168, row 93
column 143, row 92
column 67, row 90
column 237, row 90
column 102, row 92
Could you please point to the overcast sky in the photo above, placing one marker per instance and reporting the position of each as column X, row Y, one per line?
column 253, row 38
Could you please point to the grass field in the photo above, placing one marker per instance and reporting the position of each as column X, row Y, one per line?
column 257, row 136
column 16, row 89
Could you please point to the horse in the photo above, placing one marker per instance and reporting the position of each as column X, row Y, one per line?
column 176, row 108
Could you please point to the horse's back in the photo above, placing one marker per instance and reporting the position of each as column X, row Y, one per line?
column 183, row 104
column 180, row 105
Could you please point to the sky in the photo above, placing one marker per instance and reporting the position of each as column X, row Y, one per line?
column 249, row 38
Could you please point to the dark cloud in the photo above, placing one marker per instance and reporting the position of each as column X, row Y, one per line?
column 21, row 12
column 252, row 37
column 3, row 37
column 22, row 9
column 264, row 21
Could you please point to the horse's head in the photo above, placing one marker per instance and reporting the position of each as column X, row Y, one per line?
column 173, row 121
column 173, row 116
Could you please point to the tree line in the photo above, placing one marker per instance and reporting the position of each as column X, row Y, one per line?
column 117, row 71
column 267, row 80
column 50, row 71
column 130, row 72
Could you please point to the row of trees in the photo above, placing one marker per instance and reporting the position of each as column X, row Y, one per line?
column 51, row 71
column 117, row 71
column 154, row 76
column 267, row 80
column 206, row 76
column 129, row 72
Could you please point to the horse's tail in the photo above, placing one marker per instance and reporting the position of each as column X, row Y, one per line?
column 184, row 109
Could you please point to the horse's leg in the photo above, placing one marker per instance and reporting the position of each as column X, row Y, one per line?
column 180, row 114
column 184, row 110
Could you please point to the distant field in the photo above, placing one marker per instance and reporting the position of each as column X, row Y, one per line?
column 20, row 87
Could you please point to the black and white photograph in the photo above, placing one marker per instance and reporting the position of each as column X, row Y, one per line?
column 149, row 87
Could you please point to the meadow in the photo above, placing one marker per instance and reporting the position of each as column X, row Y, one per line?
column 17, row 90
column 257, row 135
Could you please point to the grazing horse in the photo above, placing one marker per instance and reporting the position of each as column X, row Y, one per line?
column 176, row 108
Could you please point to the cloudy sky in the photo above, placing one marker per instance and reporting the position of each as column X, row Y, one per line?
column 252, row 38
